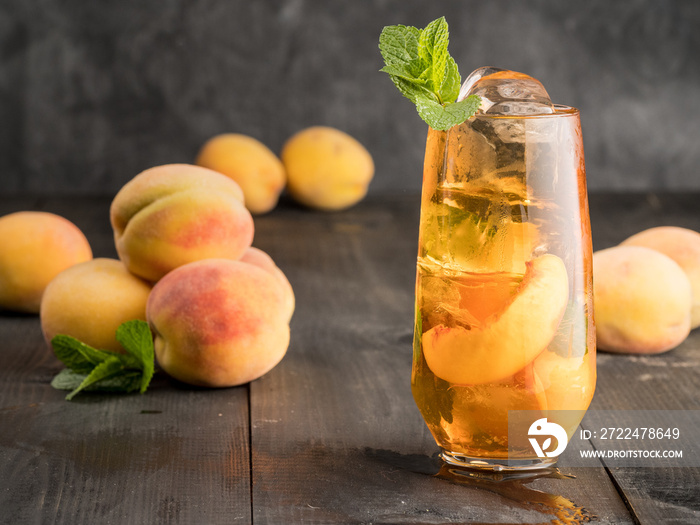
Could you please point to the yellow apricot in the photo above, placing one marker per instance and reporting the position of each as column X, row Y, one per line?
column 250, row 163
column 34, row 248
column 326, row 168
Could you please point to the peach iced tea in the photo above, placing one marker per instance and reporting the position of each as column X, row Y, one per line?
column 503, row 294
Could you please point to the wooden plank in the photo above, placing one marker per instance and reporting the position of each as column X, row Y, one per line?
column 174, row 455
column 668, row 381
column 336, row 437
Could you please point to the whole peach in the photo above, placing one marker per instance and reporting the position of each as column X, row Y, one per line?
column 256, row 169
column 34, row 248
column 90, row 300
column 218, row 322
column 261, row 259
column 326, row 168
column 681, row 245
column 175, row 214
column 642, row 300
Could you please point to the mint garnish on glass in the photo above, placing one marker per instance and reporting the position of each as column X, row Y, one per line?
column 102, row 370
column 419, row 64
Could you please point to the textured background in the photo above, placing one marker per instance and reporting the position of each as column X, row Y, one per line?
column 92, row 92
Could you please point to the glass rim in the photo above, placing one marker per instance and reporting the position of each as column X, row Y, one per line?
column 560, row 110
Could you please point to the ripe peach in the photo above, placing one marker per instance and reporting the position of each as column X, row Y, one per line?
column 90, row 300
column 513, row 339
column 255, row 168
column 218, row 322
column 171, row 215
column 326, row 168
column 642, row 300
column 681, row 245
column 261, row 259
column 35, row 247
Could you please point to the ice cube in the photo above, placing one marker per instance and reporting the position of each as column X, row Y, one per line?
column 505, row 92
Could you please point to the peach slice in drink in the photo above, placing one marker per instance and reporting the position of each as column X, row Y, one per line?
column 568, row 384
column 510, row 340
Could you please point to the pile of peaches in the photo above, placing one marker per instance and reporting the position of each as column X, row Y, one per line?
column 219, row 308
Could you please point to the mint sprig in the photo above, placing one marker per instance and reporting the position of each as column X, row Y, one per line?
column 419, row 64
column 91, row 369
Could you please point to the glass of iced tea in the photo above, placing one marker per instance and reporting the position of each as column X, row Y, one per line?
column 504, row 314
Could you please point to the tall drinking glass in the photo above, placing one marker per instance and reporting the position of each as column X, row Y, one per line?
column 504, row 314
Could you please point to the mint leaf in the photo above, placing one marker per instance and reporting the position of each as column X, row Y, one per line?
column 76, row 355
column 399, row 47
column 92, row 369
column 137, row 340
column 444, row 117
column 127, row 382
column 66, row 379
column 432, row 49
column 451, row 82
column 420, row 66
column 108, row 368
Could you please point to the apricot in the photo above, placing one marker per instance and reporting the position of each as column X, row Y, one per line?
column 681, row 245
column 34, row 248
column 218, row 322
column 90, row 300
column 250, row 163
column 327, row 169
column 642, row 300
column 175, row 214
column 262, row 260
column 508, row 341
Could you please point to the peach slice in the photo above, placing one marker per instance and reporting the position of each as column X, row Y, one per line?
column 511, row 341
column 569, row 383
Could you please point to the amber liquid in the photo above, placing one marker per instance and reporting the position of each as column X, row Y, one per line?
column 503, row 291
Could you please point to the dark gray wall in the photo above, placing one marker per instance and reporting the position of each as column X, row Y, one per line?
column 94, row 91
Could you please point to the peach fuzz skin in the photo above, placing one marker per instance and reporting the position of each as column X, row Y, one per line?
column 89, row 301
column 642, row 300
column 262, row 260
column 218, row 322
column 175, row 214
column 35, row 247
column 683, row 246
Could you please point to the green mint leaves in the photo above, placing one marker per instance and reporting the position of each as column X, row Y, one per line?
column 102, row 370
column 421, row 68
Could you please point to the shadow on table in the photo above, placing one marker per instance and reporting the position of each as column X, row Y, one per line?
column 509, row 485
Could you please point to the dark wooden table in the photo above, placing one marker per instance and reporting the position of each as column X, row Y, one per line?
column 331, row 435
